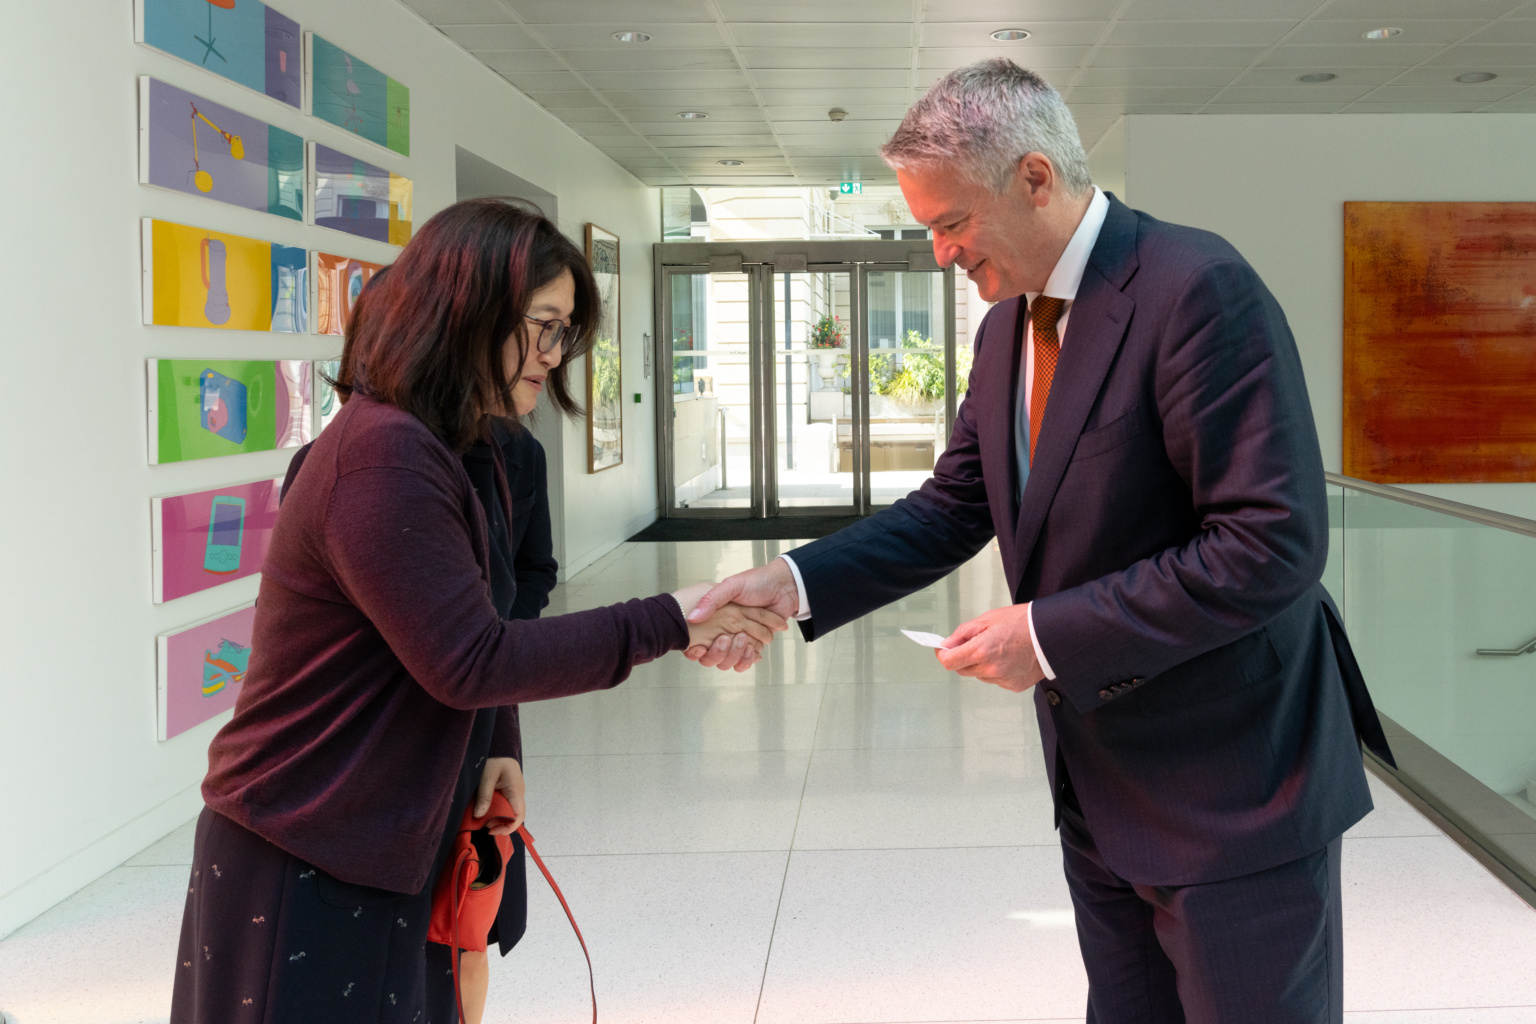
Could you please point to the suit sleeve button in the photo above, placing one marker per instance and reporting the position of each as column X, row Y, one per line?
column 1105, row 695
column 1052, row 698
column 1137, row 681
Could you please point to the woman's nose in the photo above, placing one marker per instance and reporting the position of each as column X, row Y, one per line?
column 551, row 359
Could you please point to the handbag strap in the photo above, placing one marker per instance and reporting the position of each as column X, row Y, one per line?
column 522, row 830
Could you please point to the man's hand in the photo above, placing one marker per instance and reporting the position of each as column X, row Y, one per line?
column 505, row 774
column 996, row 648
column 770, row 586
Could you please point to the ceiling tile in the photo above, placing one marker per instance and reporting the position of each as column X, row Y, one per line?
column 750, row 11
column 702, row 131
column 787, row 116
column 736, row 117
column 1199, row 33
column 1176, row 56
column 1146, row 94
column 521, row 62
column 1219, row 10
column 1510, row 32
column 461, row 12
column 599, row 36
column 853, row 142
column 718, row 58
column 1018, row 13
column 618, row 134
column 1341, row 32
column 1030, row 57
column 673, row 100
column 580, row 116
column 745, row 146
column 822, row 34
column 1486, row 57
column 698, row 84
column 1044, row 33
column 558, row 12
column 826, row 79
column 832, row 97
column 1291, row 76
column 547, row 82
column 825, row 57
column 560, row 99
column 1272, row 108
column 1434, row 75
column 1338, row 95
column 477, row 38
column 1153, row 77
column 1395, row 12
column 1473, row 95
column 1524, row 103
column 1362, row 55
column 1395, row 107
column 831, row 130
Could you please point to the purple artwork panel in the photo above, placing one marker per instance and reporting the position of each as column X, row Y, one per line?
column 211, row 537
column 283, row 58
column 351, row 195
column 202, row 668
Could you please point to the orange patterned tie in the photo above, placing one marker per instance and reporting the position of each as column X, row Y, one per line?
column 1043, row 314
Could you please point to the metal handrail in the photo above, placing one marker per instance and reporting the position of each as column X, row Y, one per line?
column 1471, row 513
column 1528, row 648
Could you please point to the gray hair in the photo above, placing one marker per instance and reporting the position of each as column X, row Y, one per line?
column 982, row 119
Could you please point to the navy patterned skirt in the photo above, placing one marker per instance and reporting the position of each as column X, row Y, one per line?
column 267, row 938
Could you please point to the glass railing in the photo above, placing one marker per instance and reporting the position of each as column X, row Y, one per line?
column 1439, row 600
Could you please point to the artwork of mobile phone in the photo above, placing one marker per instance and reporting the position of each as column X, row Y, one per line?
column 224, row 666
column 223, row 406
column 226, row 526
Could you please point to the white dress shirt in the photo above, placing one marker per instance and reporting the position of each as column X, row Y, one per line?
column 1062, row 284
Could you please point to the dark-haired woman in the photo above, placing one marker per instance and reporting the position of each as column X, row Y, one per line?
column 380, row 658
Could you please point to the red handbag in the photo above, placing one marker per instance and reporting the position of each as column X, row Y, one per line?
column 468, row 892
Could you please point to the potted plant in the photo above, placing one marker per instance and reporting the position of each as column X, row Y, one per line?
column 828, row 336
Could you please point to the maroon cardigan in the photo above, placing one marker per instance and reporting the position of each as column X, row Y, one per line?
column 376, row 640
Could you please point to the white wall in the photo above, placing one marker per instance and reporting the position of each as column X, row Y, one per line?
column 1274, row 186
column 83, row 782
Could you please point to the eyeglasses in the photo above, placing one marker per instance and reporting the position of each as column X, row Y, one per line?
column 554, row 333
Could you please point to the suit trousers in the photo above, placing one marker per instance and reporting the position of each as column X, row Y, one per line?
column 1265, row 948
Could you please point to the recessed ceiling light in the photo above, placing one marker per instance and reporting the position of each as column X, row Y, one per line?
column 1473, row 77
column 729, row 163
column 632, row 37
column 1010, row 35
column 1381, row 33
column 692, row 115
column 1318, row 76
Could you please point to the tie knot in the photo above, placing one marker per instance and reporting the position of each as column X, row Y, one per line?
column 1045, row 311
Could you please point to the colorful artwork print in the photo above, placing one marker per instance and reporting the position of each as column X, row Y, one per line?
column 196, row 146
column 327, row 401
column 361, row 199
column 201, row 669
column 207, row 538
column 242, row 40
column 1440, row 342
column 339, row 280
column 200, row 409
column 194, row 277
column 351, row 94
column 605, row 409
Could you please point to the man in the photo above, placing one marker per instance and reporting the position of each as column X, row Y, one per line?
column 1138, row 437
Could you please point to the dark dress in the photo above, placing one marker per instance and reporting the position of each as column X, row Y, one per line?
column 289, row 942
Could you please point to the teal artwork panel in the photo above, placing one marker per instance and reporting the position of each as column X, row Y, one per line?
column 285, row 173
column 353, row 95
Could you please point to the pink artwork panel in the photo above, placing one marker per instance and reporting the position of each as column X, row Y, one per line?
column 212, row 537
column 202, row 668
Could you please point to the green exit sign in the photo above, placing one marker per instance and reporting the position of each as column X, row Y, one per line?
column 851, row 188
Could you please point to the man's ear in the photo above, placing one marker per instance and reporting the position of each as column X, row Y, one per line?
column 1037, row 176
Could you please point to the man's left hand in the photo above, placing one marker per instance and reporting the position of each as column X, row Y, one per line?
column 996, row 648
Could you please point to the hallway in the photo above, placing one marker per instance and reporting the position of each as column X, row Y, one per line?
column 844, row 834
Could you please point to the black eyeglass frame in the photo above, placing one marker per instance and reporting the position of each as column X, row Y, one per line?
column 553, row 333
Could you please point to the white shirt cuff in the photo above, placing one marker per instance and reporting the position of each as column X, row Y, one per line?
column 1034, row 638
column 805, row 602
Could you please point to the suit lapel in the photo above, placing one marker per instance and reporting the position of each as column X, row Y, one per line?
column 1100, row 315
column 1000, row 366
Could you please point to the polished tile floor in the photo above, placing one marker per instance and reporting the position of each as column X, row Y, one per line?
column 843, row 834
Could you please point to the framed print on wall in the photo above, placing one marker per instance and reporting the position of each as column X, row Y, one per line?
column 206, row 538
column 354, row 196
column 201, row 669
column 339, row 280
column 605, row 409
column 358, row 97
column 194, row 277
column 246, row 42
column 203, row 408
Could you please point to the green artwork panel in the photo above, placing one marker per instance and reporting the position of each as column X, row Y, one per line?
column 398, row 113
column 357, row 97
column 285, row 173
column 204, row 408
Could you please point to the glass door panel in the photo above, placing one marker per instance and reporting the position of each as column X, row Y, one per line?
column 709, row 334
column 910, row 367
column 809, row 351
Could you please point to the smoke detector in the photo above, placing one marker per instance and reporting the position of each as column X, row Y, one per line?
column 837, row 114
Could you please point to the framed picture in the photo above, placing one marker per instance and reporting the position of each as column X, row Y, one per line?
column 203, row 408
column 359, row 198
column 202, row 148
column 194, row 277
column 248, row 42
column 207, row 538
column 357, row 97
column 201, row 669
column 605, row 409
column 339, row 280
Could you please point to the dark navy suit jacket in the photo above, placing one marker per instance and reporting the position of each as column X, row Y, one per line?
column 1171, row 534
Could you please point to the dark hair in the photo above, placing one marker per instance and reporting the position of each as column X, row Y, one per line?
column 427, row 336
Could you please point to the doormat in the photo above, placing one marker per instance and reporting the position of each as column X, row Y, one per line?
column 778, row 528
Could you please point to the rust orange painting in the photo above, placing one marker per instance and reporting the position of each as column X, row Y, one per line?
column 1440, row 342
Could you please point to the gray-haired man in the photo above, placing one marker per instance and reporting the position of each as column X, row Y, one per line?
column 1137, row 436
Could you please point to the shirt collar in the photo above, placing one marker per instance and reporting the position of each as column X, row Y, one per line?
column 1068, row 274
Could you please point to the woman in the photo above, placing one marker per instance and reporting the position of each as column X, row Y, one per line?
column 381, row 660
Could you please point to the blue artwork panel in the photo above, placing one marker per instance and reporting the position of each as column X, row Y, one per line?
column 242, row 40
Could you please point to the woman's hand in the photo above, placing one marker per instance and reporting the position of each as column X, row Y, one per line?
column 505, row 774
column 750, row 629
